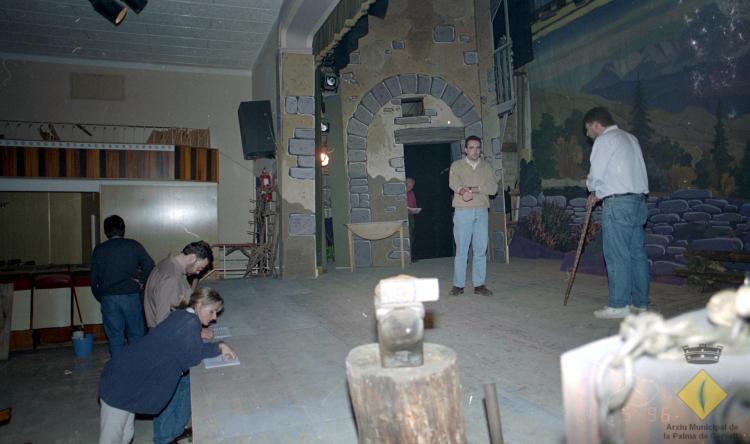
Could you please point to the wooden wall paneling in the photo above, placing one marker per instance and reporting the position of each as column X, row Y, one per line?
column 159, row 165
column 201, row 164
column 178, row 162
column 166, row 162
column 149, row 164
column 63, row 170
column 31, row 162
column 184, row 163
column 134, row 164
column 51, row 158
column 112, row 164
column 213, row 167
column 183, row 167
column 92, row 164
column 8, row 162
column 72, row 163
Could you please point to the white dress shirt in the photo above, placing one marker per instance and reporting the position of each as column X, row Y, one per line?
column 617, row 165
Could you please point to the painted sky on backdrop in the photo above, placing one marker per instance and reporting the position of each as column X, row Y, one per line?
column 687, row 53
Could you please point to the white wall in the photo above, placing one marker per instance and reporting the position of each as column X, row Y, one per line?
column 266, row 87
column 40, row 91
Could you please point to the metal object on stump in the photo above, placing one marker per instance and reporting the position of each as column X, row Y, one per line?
column 402, row 389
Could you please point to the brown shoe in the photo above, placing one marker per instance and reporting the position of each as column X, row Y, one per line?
column 484, row 291
column 455, row 291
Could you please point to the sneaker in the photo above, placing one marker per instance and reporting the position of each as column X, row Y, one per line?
column 484, row 291
column 612, row 313
column 455, row 291
column 637, row 310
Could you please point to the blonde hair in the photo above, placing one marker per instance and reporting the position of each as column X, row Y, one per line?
column 205, row 296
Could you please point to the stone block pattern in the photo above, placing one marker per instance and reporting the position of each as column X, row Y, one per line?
column 299, row 105
column 444, row 34
column 302, row 224
column 302, row 148
column 686, row 220
column 388, row 92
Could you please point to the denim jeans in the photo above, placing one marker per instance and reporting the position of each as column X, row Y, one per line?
column 171, row 422
column 623, row 218
column 120, row 311
column 470, row 228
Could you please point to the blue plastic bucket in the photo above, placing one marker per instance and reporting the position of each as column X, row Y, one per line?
column 83, row 347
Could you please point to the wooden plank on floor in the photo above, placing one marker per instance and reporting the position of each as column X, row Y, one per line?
column 6, row 309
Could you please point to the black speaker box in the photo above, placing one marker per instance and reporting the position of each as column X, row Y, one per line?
column 520, row 15
column 256, row 129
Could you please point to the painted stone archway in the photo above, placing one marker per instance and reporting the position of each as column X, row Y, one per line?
column 356, row 141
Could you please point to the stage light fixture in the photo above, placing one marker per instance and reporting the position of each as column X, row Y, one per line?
column 110, row 10
column 324, row 127
column 329, row 79
column 136, row 5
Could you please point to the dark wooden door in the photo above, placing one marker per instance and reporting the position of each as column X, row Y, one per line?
column 428, row 165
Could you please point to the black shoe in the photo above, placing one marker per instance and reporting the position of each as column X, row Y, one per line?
column 484, row 291
column 455, row 291
column 187, row 433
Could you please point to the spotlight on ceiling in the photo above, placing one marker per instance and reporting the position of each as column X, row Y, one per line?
column 324, row 127
column 110, row 10
column 136, row 5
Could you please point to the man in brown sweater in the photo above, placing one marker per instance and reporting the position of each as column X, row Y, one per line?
column 166, row 288
column 473, row 182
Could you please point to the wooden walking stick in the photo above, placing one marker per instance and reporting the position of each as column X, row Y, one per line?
column 584, row 230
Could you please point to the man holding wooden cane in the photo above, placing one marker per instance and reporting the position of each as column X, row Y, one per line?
column 618, row 179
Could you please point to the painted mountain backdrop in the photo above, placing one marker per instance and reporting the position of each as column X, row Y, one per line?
column 676, row 73
column 708, row 60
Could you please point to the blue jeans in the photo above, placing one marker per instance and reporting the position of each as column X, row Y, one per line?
column 121, row 311
column 624, row 252
column 470, row 228
column 171, row 422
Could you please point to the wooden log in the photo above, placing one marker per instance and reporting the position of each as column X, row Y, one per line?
column 6, row 308
column 493, row 414
column 721, row 256
column 408, row 404
column 727, row 276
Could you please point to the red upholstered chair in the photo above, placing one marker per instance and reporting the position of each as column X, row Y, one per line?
column 81, row 278
column 20, row 282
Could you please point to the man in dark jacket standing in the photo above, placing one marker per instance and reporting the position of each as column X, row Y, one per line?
column 119, row 269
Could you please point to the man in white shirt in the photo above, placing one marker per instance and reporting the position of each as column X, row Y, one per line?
column 618, row 179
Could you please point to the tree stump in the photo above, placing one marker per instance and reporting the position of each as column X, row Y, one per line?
column 409, row 404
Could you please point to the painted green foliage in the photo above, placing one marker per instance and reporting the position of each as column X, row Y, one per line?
column 543, row 139
column 561, row 150
column 531, row 183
